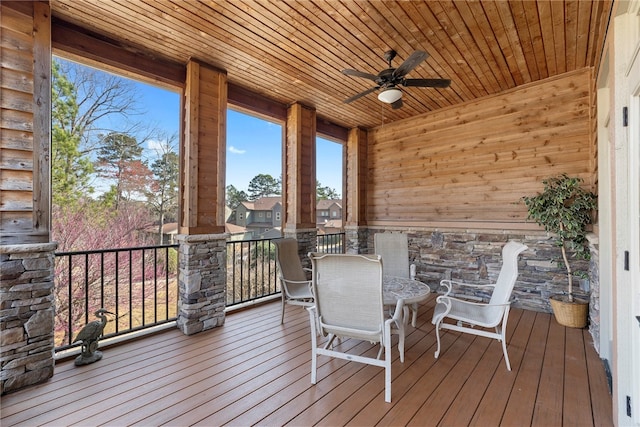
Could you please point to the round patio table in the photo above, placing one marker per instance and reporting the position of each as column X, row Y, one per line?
column 410, row 291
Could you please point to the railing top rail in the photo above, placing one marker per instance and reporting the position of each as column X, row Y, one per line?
column 97, row 251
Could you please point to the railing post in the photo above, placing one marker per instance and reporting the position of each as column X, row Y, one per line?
column 202, row 261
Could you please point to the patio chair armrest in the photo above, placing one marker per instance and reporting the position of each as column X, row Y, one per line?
column 449, row 285
column 446, row 299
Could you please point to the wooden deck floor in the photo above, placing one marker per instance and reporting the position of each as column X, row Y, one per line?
column 255, row 371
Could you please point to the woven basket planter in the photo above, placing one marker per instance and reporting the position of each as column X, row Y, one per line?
column 571, row 314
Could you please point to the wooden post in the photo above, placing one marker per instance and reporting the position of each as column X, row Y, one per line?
column 299, row 177
column 299, row 164
column 203, row 151
column 355, row 191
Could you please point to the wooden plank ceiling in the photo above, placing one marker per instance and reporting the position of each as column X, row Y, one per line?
column 291, row 50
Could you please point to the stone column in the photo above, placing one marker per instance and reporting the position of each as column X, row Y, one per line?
column 202, row 261
column 26, row 314
column 356, row 239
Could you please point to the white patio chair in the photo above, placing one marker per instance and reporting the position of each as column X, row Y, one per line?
column 493, row 314
column 394, row 250
column 295, row 287
column 349, row 304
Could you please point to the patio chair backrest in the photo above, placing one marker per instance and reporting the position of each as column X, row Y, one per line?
column 348, row 295
column 288, row 259
column 394, row 250
column 508, row 273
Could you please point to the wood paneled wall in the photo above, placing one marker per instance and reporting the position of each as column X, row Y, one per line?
column 472, row 163
column 26, row 122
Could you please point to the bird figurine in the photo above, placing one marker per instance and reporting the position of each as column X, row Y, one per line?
column 89, row 336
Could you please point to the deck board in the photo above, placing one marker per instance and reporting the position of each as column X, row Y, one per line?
column 254, row 371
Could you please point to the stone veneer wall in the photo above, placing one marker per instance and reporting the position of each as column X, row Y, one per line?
column 594, row 287
column 202, row 261
column 26, row 314
column 475, row 256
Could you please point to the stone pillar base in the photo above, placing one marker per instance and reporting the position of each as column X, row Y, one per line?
column 26, row 314
column 357, row 240
column 202, row 261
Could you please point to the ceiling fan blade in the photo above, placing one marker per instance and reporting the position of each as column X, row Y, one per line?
column 440, row 83
column 397, row 104
column 410, row 63
column 356, row 73
column 360, row 95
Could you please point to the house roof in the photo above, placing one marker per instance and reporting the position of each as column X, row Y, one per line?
column 233, row 228
column 295, row 51
column 263, row 203
column 326, row 204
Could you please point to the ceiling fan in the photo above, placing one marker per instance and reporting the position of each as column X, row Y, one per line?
column 390, row 79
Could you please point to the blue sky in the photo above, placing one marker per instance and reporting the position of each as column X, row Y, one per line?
column 253, row 144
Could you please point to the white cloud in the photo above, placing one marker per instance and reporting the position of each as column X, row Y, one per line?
column 235, row 150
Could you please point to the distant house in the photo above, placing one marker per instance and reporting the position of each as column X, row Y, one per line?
column 329, row 216
column 169, row 232
column 261, row 216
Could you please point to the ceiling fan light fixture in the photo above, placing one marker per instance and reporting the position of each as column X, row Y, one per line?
column 390, row 95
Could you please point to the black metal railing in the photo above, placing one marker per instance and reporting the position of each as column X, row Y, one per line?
column 331, row 243
column 251, row 270
column 251, row 267
column 138, row 285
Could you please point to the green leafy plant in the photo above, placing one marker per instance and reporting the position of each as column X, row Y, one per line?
column 565, row 209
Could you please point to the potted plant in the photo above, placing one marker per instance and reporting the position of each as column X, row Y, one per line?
column 565, row 209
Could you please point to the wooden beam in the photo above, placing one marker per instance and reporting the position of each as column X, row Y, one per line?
column 75, row 42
